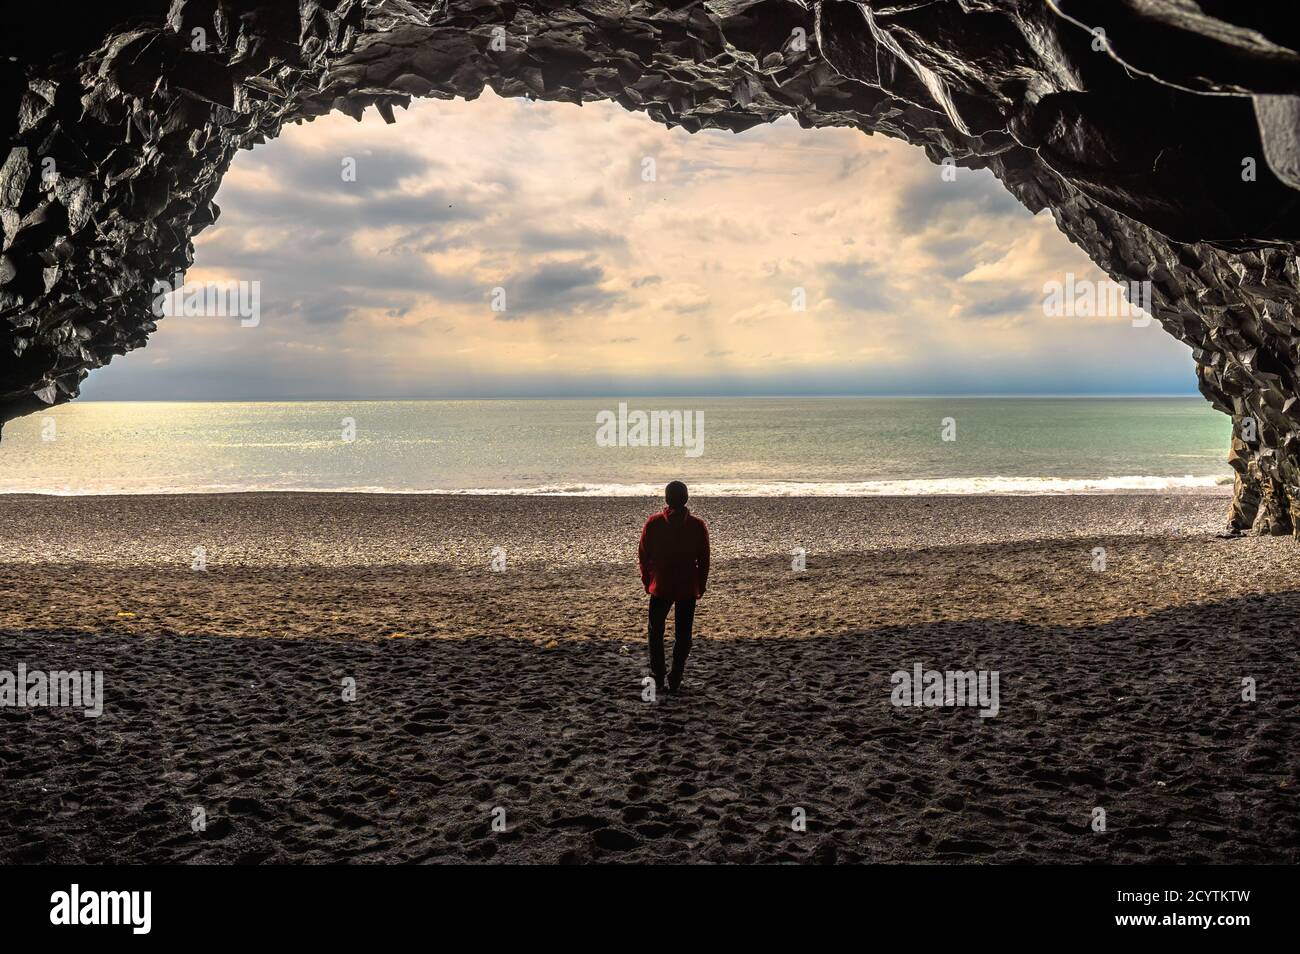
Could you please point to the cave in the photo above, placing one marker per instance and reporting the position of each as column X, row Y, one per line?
column 1162, row 135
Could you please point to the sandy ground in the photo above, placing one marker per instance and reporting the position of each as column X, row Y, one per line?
column 517, row 695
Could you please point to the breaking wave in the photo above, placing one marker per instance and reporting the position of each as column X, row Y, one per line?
column 919, row 487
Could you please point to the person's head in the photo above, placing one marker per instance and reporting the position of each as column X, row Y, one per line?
column 675, row 494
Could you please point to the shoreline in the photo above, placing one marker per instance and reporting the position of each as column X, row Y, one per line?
column 1221, row 486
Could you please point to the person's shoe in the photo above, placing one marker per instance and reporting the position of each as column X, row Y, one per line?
column 674, row 681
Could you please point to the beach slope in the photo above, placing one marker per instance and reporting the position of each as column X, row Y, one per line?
column 500, row 714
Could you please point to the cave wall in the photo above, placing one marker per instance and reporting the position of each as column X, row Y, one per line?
column 1163, row 135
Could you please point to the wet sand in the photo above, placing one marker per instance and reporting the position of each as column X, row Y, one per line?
column 479, row 691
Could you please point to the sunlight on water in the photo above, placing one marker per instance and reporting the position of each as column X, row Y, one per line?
column 758, row 446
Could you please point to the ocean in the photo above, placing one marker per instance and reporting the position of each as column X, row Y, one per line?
column 777, row 446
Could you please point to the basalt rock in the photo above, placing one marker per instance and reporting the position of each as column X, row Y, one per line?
column 1163, row 135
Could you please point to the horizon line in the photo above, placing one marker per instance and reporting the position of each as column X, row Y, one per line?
column 1153, row 395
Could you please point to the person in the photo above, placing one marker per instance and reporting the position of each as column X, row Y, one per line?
column 674, row 558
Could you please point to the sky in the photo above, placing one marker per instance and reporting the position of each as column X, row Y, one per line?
column 502, row 248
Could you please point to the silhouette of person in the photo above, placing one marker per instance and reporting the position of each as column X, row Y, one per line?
column 674, row 558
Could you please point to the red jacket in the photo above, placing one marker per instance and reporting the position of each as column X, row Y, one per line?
column 674, row 555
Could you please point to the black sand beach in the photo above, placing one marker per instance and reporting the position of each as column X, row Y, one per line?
column 521, row 690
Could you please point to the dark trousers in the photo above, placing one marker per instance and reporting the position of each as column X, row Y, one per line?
column 683, row 618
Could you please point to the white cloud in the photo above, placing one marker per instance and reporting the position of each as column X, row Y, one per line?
column 609, row 278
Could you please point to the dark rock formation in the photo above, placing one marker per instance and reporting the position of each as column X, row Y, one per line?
column 1164, row 135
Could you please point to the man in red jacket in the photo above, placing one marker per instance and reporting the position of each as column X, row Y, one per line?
column 674, row 558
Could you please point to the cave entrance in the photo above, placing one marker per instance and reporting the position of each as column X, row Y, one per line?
column 507, row 249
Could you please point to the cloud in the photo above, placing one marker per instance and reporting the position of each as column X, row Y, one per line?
column 929, row 200
column 324, row 212
column 552, row 286
column 679, row 298
column 543, row 239
column 995, row 302
column 859, row 285
column 953, row 255
column 295, row 165
column 381, row 287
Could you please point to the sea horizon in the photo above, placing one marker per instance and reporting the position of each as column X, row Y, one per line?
column 642, row 395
